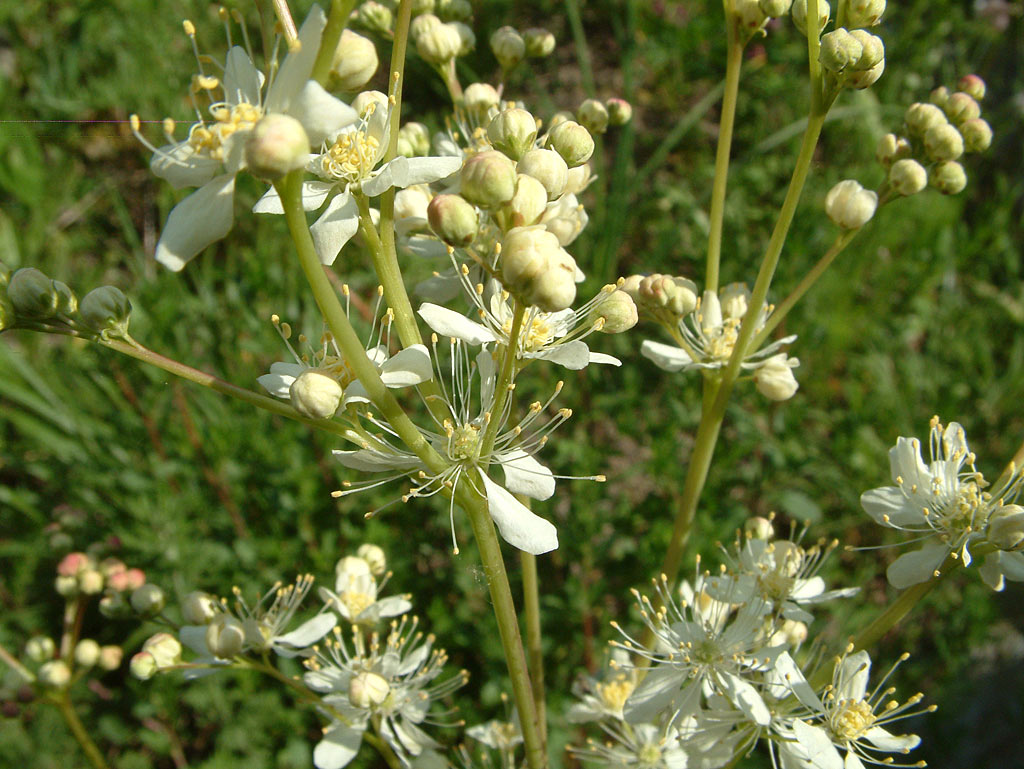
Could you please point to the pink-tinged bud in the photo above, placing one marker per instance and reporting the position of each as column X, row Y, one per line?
column 136, row 578
column 73, row 563
column 111, row 657
column 973, row 85
column 112, row 566
column 620, row 111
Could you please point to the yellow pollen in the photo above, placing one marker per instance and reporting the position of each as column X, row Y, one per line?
column 351, row 157
column 209, row 139
column 852, row 719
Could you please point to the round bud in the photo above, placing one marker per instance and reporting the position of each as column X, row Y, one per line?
column 106, row 309
column 411, row 204
column 943, row 142
column 114, row 606
column 618, row 311
column 631, row 286
column 87, row 653
column 555, row 290
column 143, row 666
column 864, row 13
column 277, row 146
column 539, row 42
column 365, row 690
column 750, row 14
column 355, row 62
column 91, row 582
column 872, row 49
column 508, row 46
column 199, row 608
column 526, row 253
column 775, row 9
column 962, row 107
column 513, row 131
column 423, row 6
column 977, row 135
column 413, row 140
column 572, row 141
column 67, row 302
column 467, row 38
column 480, row 98
column 907, row 176
column 547, row 167
column 453, row 219
column 758, row 527
column 225, row 636
column 794, row 632
column 40, row 648
column 315, row 395
column 939, row 96
column 165, row 649
column 593, row 116
column 438, row 43
column 972, row 85
column 798, row 11
column 948, row 177
column 110, row 657
column 864, row 78
column 32, row 294
column 528, row 204
column 620, row 111
column 892, row 148
column 374, row 556
column 134, row 578
column 375, row 17
column 558, row 118
column 849, row 205
column 839, row 50
column 422, row 23
column 676, row 295
column 920, row 117
column 454, row 10
column 66, row 586
column 774, row 378
column 488, row 179
column 1006, row 527
column 73, row 564
column 351, row 567
column 148, row 599
column 54, row 674
column 367, row 101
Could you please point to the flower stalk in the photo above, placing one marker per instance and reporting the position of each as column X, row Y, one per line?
column 534, row 648
column 78, row 730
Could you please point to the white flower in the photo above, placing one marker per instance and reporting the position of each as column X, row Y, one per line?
column 604, row 699
column 944, row 504
column 355, row 594
column 644, row 746
column 214, row 154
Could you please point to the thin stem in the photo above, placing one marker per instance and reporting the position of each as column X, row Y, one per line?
column 733, row 63
column 15, row 665
column 337, row 20
column 72, row 610
column 67, row 711
column 579, row 38
column 531, row 606
column 503, row 386
column 384, row 749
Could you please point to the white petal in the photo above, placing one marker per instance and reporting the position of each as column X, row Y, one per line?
column 404, row 172
column 408, row 367
column 787, row 670
column 916, row 566
column 355, row 393
column 884, row 740
column 516, row 523
column 744, row 696
column 180, row 165
column 278, row 385
column 313, row 196
column 335, row 227
column 653, row 694
column 297, row 66
column 573, row 355
column 608, row 360
column 525, row 475
column 339, row 746
column 194, row 637
column 889, row 506
column 372, row 461
column 321, row 114
column 309, row 632
column 905, row 462
column 197, row 221
column 665, row 356
column 854, row 672
column 806, row 589
column 852, row 761
column 818, row 747
column 448, row 323
column 392, row 606
column 241, row 81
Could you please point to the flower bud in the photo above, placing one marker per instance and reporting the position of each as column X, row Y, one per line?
column 199, row 608
column 114, row 606
column 367, row 101
column 677, row 295
column 513, row 131
column 355, row 62
column 892, row 148
column 422, row 23
column 798, row 11
column 758, row 527
column 864, row 13
column 508, row 46
column 277, row 146
column 454, row 10
column 438, row 43
column 620, row 111
column 859, row 79
column 972, row 85
column 528, row 204
column 480, row 98
column 579, row 177
column 1006, row 527
column 839, row 50
column 617, row 311
column 67, row 302
column 631, row 286
column 566, row 218
column 54, row 674
column 365, row 690
column 908, row 177
column 164, row 648
column 40, row 648
column 593, row 116
column 225, row 637
column 105, row 310
column 750, row 14
column 939, row 96
column 375, row 17
column 413, row 140
column 87, row 653
column 948, row 177
column 774, row 378
column 793, row 632
column 488, row 179
column 547, row 167
column 733, row 300
column 872, row 49
column 539, row 42
column 555, row 290
column 32, row 294
column 849, row 205
column 423, row 6
column 775, row 9
column 315, row 395
column 110, row 657
column 66, row 586
column 467, row 38
column 920, row 117
column 453, row 219
column 962, row 107
column 572, row 141
column 943, row 142
column 143, row 666
column 148, row 599
column 977, row 135
column 374, row 556
column 526, row 253
column 90, row 582
column 73, row 564
column 410, row 204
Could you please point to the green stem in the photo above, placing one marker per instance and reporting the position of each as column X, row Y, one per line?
column 531, row 606
column 337, row 20
column 733, row 63
column 579, row 38
column 504, row 383
column 67, row 711
column 384, row 749
column 15, row 665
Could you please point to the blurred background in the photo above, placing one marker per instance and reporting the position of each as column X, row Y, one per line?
column 922, row 315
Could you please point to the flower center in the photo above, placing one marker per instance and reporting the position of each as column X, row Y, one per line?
column 356, row 602
column 463, row 442
column 336, row 367
column 614, row 694
column 534, row 336
column 774, row 585
column 852, row 719
column 649, row 755
column 722, row 339
column 352, row 156
column 209, row 138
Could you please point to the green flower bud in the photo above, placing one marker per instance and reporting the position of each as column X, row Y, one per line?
column 110, row 657
column 488, row 179
column 40, row 648
column 422, row 24
column 513, row 131
column 750, row 14
column 66, row 586
column 572, row 141
column 849, row 205
column 948, row 177
column 143, row 666
column 454, row 10
column 539, row 42
column 620, row 111
column 423, row 6
column 54, row 674
column 225, row 637
column 87, row 653
column 864, row 13
column 865, row 78
column 839, row 50
column 798, row 12
column 437, row 43
column 593, row 116
column 939, row 96
column 367, row 690
column 413, row 140
column 467, row 37
column 558, row 118
column 972, row 85
column 90, row 581
column 508, row 46
column 666, row 292
column 547, row 167
column 873, row 50
column 977, row 135
column 375, row 17
column 32, row 294
column 67, row 302
column 907, row 176
column 527, row 205
column 374, row 556
column 277, row 146
column 892, row 148
column 943, row 142
column 355, row 61
column 962, row 107
column 199, row 608
column 920, row 117
column 453, row 220
column 479, row 99
column 1006, row 527
column 148, row 599
column 775, row 9
column 617, row 312
column 106, row 310
column 164, row 648
column 315, row 395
